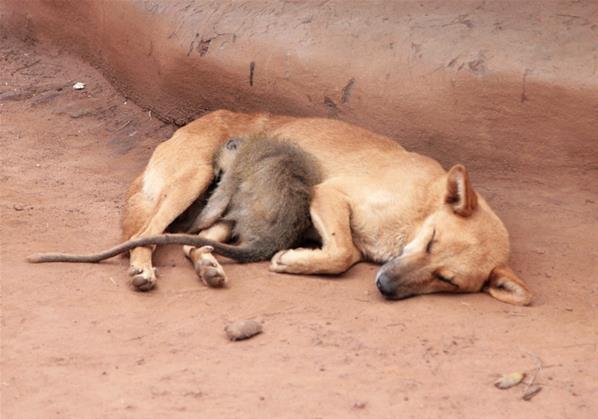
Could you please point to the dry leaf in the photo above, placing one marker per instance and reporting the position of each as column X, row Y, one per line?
column 531, row 392
column 509, row 380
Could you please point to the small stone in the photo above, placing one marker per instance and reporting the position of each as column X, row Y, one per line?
column 243, row 329
column 79, row 86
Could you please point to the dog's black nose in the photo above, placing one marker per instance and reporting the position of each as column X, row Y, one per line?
column 386, row 286
column 379, row 284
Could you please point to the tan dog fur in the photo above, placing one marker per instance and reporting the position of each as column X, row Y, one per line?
column 377, row 202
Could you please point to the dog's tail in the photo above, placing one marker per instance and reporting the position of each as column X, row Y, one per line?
column 239, row 253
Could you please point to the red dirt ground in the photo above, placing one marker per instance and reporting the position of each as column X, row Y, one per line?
column 77, row 342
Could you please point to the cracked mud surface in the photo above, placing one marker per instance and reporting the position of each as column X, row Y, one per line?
column 76, row 341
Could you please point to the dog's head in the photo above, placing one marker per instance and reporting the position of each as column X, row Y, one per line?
column 461, row 247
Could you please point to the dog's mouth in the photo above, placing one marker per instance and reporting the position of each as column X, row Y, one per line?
column 397, row 296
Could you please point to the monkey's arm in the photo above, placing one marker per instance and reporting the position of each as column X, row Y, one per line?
column 216, row 206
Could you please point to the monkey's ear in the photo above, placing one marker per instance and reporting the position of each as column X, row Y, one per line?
column 459, row 192
column 232, row 144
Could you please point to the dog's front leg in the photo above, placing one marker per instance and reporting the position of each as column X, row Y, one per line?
column 330, row 214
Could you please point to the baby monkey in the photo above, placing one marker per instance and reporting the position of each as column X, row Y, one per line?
column 264, row 191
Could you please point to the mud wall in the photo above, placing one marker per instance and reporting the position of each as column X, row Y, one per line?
column 506, row 83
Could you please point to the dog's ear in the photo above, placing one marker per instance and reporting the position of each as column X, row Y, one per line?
column 504, row 285
column 459, row 192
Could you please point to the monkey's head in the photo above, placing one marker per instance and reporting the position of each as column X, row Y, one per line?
column 225, row 156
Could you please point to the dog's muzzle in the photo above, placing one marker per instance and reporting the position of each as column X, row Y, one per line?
column 389, row 287
column 386, row 286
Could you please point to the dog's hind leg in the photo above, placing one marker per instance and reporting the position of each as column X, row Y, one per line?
column 331, row 216
column 179, row 170
column 158, row 197
column 205, row 264
column 138, row 210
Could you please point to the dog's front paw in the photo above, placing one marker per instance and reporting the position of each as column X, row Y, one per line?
column 276, row 263
column 289, row 261
column 142, row 279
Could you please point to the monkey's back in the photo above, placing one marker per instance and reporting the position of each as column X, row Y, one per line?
column 274, row 183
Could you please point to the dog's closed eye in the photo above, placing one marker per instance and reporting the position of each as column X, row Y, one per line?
column 431, row 242
column 446, row 279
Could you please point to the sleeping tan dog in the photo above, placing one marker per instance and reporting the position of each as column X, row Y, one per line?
column 378, row 202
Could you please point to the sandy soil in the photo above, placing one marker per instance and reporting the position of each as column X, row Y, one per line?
column 77, row 342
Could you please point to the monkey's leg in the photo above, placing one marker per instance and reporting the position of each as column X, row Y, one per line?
column 330, row 214
column 173, row 194
column 205, row 264
column 215, row 207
